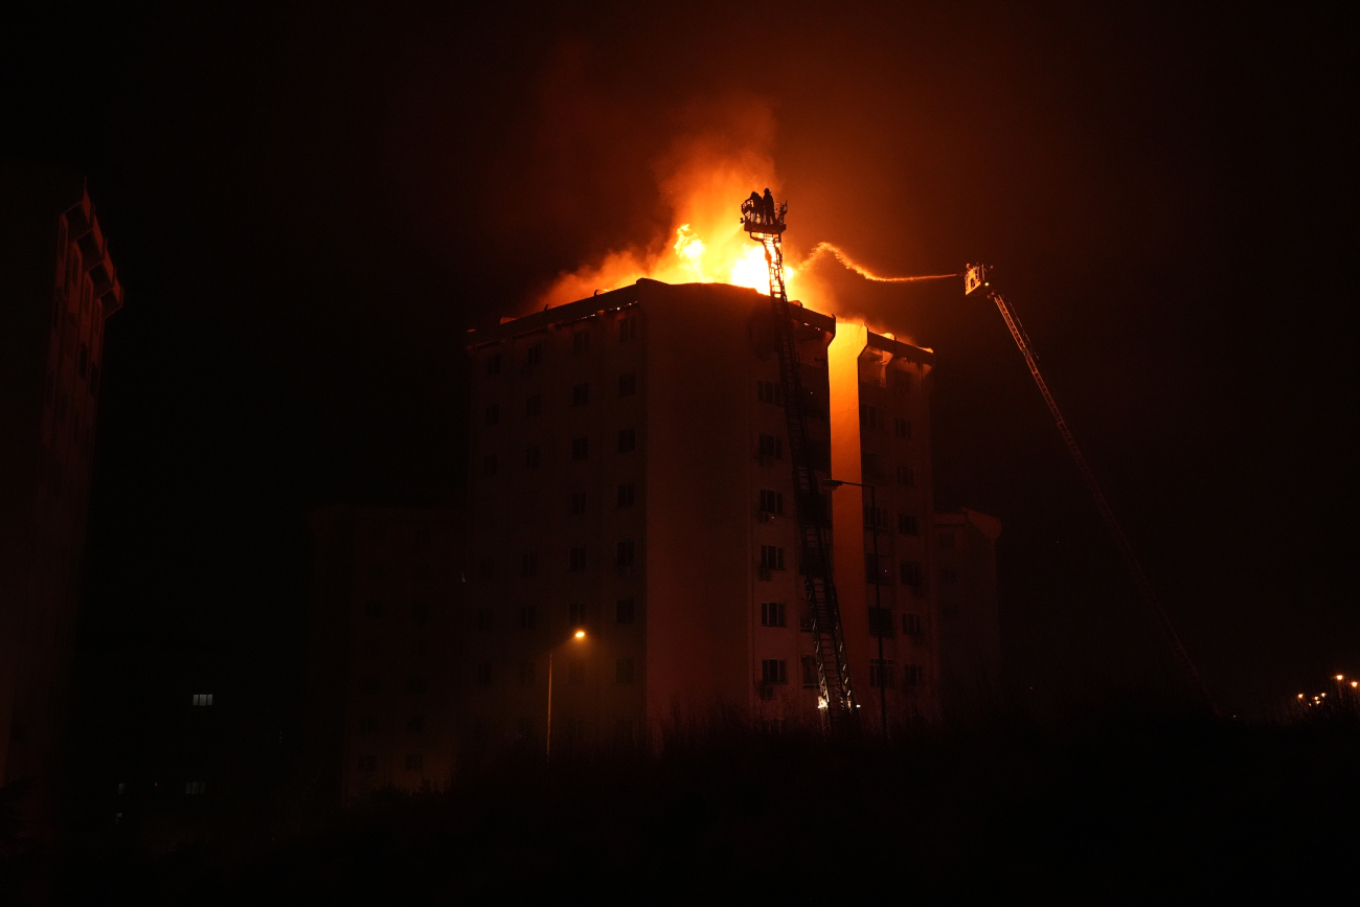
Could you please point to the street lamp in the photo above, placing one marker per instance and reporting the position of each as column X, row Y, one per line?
column 575, row 637
column 833, row 484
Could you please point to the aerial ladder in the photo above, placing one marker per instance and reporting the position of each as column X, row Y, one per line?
column 975, row 279
column 764, row 221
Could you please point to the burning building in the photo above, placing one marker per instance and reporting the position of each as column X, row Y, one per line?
column 634, row 557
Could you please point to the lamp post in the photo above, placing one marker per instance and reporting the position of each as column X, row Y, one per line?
column 833, row 484
column 547, row 746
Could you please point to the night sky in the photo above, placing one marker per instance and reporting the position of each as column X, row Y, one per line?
column 308, row 208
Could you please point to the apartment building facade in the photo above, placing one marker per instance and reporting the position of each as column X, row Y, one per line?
column 382, row 692
column 59, row 287
column 631, row 539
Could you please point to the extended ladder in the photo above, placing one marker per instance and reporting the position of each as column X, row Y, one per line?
column 765, row 223
column 975, row 278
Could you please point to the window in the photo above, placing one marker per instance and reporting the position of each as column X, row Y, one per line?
column 769, row 392
column 880, row 673
column 624, row 553
column 417, row 686
column 493, row 364
column 627, row 329
column 877, row 569
column 906, row 524
column 771, row 557
column 880, row 622
column 196, row 787
column 872, row 465
column 534, row 355
column 368, row 763
column 915, row 675
column 772, row 614
column 902, row 428
column 528, row 673
column 576, row 558
column 577, row 503
column 533, row 406
column 576, row 614
column 772, row 447
column 484, row 674
column 419, row 646
column 805, row 620
column 810, row 678
column 372, row 609
column 202, row 699
column 772, row 670
column 911, row 573
column 946, row 539
column 626, row 495
column 623, row 670
column 414, row 761
column 484, row 620
column 627, row 384
column 420, row 612
column 368, row 724
column 487, row 568
column 580, row 395
column 580, row 448
column 875, row 517
column 948, row 575
column 627, row 440
column 416, row 725
column 422, row 535
column 527, row 617
column 576, row 671
column 911, row 625
column 492, row 416
column 580, row 342
column 531, row 457
column 368, row 686
column 528, row 563
column 624, row 611
column 771, row 501
column 871, row 416
column 906, row 476
column 489, row 465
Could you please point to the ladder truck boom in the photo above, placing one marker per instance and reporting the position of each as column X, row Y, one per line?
column 976, row 278
column 764, row 221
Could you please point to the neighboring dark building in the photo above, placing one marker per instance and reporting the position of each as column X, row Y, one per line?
column 381, row 696
column 969, row 624
column 57, row 287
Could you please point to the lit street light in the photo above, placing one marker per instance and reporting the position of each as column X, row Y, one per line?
column 547, row 745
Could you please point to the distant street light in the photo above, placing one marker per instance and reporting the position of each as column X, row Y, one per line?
column 547, row 745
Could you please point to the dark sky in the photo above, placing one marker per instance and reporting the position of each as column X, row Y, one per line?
column 308, row 207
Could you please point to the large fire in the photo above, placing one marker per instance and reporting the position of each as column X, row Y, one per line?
column 740, row 264
column 702, row 184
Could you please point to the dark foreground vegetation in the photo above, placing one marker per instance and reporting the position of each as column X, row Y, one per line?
column 1110, row 807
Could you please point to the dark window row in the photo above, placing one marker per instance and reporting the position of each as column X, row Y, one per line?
column 580, row 450
column 580, row 345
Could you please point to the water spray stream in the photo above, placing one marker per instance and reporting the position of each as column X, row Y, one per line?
column 862, row 271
